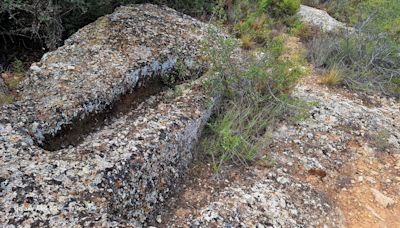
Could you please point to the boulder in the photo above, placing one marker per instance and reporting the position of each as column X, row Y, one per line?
column 122, row 172
column 321, row 20
column 106, row 59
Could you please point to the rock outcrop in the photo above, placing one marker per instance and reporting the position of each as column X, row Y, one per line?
column 104, row 60
column 121, row 173
column 321, row 20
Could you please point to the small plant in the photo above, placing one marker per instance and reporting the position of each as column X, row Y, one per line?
column 332, row 77
column 285, row 7
column 373, row 15
column 265, row 161
column 18, row 67
column 13, row 77
column 6, row 98
column 381, row 140
column 180, row 73
column 178, row 91
column 247, row 42
column 301, row 114
column 230, row 144
column 303, row 30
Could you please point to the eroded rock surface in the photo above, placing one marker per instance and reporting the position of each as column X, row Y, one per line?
column 120, row 174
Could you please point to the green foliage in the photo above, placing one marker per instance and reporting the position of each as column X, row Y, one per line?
column 264, row 4
column 180, row 73
column 302, row 30
column 254, row 90
column 381, row 139
column 6, row 98
column 285, row 7
column 15, row 76
column 254, row 20
column 229, row 144
column 18, row 67
column 178, row 90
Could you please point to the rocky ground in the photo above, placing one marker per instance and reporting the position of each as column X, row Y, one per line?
column 340, row 167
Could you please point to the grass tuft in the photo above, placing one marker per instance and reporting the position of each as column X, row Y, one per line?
column 332, row 77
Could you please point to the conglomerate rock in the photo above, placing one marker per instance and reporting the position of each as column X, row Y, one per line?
column 120, row 174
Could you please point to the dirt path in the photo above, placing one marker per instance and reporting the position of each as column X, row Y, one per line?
column 340, row 167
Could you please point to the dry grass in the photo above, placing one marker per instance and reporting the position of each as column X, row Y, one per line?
column 259, row 23
column 332, row 77
column 6, row 98
column 247, row 42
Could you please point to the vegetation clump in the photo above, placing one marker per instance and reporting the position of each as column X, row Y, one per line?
column 254, row 89
column 369, row 58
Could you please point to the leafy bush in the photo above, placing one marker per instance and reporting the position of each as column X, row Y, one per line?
column 314, row 3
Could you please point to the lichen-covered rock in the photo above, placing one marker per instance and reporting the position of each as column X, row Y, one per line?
column 105, row 59
column 121, row 173
column 271, row 202
column 321, row 20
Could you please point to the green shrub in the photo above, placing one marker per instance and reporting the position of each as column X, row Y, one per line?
column 254, row 20
column 18, row 67
column 255, row 93
column 285, row 7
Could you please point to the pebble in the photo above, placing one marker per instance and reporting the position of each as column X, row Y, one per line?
column 158, row 219
column 283, row 180
column 371, row 180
